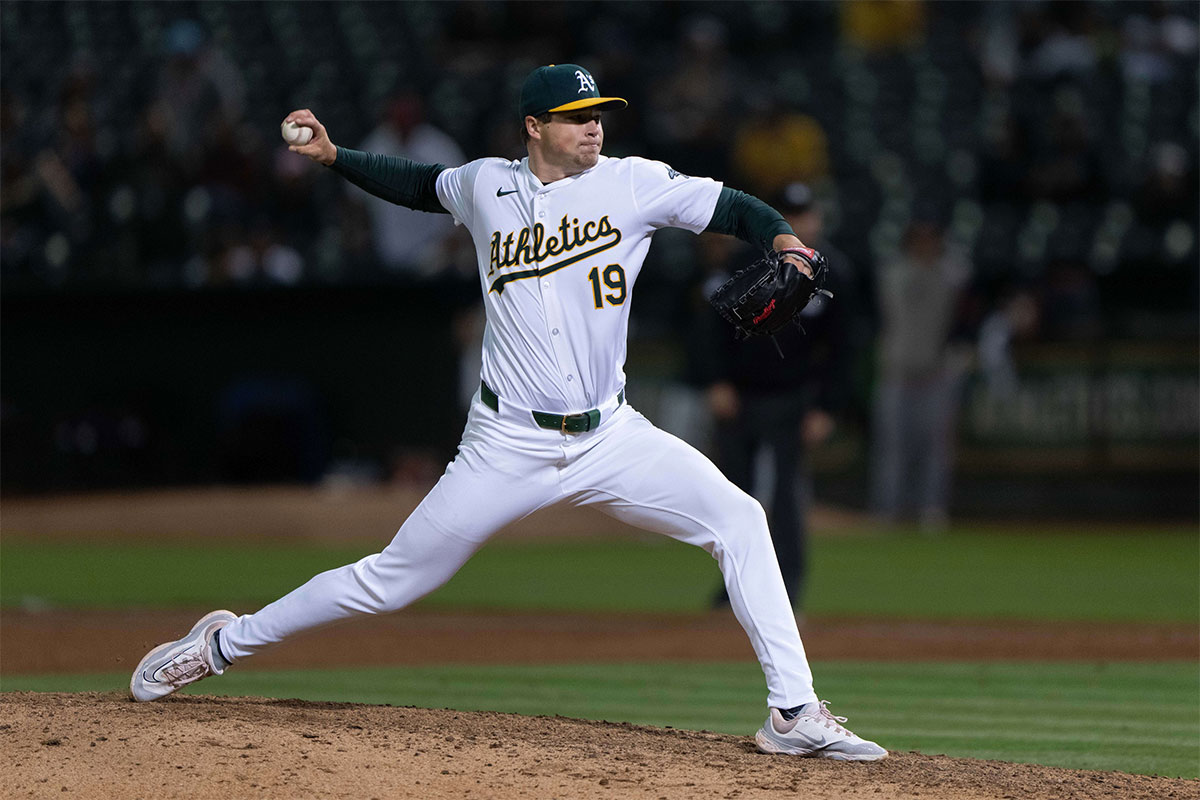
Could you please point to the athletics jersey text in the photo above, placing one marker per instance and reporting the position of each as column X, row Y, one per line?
column 530, row 247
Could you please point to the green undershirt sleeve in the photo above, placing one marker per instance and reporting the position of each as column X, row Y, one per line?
column 395, row 179
column 748, row 218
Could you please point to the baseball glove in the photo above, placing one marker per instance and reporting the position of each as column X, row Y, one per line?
column 763, row 298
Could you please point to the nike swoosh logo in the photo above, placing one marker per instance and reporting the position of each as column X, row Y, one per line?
column 811, row 741
column 501, row 192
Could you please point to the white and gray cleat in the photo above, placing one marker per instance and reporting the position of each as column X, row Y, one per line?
column 817, row 733
column 173, row 665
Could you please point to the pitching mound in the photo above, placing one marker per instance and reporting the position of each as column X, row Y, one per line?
column 106, row 746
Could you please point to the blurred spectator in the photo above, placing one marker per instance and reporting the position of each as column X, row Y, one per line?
column 917, row 391
column 999, row 56
column 1014, row 318
column 199, row 86
column 879, row 26
column 1067, row 167
column 263, row 259
column 1152, row 43
column 1067, row 45
column 407, row 240
column 616, row 63
column 293, row 202
column 691, row 107
column 19, row 212
column 156, row 187
column 1004, row 162
column 775, row 146
column 1169, row 189
column 760, row 403
column 75, row 151
column 232, row 167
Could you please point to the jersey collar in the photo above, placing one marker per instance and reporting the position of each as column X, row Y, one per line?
column 537, row 184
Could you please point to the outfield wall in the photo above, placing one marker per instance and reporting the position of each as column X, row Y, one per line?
column 242, row 385
column 150, row 388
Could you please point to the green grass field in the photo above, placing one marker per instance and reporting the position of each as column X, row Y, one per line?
column 1130, row 717
column 1134, row 717
column 1046, row 575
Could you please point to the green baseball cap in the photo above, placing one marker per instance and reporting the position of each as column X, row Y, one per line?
column 562, row 87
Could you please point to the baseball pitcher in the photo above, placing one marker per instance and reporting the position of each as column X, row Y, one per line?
column 560, row 237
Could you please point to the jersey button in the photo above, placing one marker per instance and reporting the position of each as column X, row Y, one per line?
column 555, row 331
column 570, row 377
column 546, row 284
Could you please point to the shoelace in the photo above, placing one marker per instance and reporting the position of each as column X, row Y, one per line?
column 827, row 716
column 186, row 667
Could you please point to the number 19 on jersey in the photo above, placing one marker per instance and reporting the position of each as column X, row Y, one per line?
column 614, row 279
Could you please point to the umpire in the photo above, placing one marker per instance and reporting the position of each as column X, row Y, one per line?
column 760, row 402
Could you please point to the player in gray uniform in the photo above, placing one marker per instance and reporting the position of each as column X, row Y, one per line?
column 560, row 238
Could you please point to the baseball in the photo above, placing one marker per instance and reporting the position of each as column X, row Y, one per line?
column 296, row 134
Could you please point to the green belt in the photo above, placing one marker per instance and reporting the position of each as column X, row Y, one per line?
column 564, row 423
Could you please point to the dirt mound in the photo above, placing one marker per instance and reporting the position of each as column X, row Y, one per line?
column 105, row 746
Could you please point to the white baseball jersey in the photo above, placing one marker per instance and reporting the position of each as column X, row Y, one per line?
column 557, row 264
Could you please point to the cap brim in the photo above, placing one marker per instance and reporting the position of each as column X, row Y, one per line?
column 604, row 103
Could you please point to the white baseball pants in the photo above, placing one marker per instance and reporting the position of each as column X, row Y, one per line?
column 507, row 468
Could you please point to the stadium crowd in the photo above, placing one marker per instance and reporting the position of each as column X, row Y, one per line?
column 1054, row 141
column 1020, row 171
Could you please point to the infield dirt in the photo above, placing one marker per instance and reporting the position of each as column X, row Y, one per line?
column 106, row 746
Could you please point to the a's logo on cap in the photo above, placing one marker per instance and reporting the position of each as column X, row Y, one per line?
column 586, row 83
